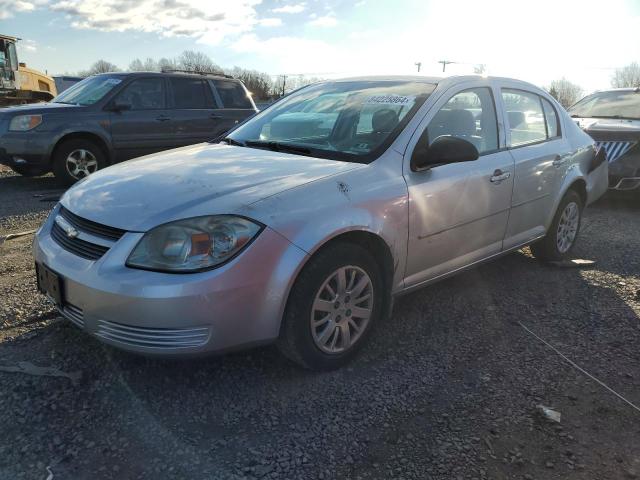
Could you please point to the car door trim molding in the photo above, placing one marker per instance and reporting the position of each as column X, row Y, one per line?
column 462, row 224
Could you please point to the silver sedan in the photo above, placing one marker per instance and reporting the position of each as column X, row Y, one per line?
column 303, row 224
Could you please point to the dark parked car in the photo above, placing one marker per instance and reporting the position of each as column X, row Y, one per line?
column 111, row 117
column 612, row 118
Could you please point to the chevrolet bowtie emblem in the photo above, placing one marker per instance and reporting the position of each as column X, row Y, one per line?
column 66, row 227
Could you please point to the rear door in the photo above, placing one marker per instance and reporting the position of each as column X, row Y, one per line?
column 236, row 104
column 193, row 110
column 146, row 127
column 541, row 155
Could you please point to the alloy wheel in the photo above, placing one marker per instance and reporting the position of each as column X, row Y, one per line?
column 568, row 227
column 342, row 309
column 81, row 163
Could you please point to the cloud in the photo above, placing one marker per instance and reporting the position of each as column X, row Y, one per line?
column 8, row 8
column 325, row 21
column 270, row 22
column 209, row 21
column 292, row 8
column 28, row 45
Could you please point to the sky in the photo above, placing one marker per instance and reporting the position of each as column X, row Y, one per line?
column 533, row 40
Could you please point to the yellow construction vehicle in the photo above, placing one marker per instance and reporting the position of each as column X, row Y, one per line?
column 19, row 84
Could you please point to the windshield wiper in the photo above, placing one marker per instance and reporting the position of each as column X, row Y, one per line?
column 614, row 117
column 231, row 141
column 66, row 103
column 279, row 146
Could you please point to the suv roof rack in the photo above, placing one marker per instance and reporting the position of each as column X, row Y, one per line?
column 174, row 70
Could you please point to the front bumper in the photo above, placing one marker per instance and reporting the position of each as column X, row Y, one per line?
column 26, row 149
column 239, row 304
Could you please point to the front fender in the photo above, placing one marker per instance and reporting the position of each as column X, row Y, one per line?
column 367, row 199
column 87, row 129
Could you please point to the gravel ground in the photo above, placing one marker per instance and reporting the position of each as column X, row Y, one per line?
column 447, row 389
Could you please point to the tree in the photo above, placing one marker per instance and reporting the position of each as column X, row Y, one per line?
column 149, row 65
column 197, row 62
column 167, row 64
column 628, row 76
column 101, row 66
column 258, row 83
column 566, row 92
column 480, row 69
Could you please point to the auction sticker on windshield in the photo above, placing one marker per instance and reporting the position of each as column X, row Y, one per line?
column 390, row 100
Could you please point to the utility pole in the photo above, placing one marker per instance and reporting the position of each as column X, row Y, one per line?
column 418, row 64
column 445, row 63
column 284, row 82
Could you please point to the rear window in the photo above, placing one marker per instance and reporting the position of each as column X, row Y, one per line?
column 191, row 93
column 614, row 104
column 232, row 94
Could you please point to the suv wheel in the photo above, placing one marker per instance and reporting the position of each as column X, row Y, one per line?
column 563, row 232
column 335, row 302
column 76, row 159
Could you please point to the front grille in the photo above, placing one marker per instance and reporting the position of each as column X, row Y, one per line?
column 616, row 149
column 81, row 248
column 73, row 314
column 166, row 338
column 93, row 228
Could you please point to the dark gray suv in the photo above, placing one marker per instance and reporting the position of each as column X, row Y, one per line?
column 112, row 117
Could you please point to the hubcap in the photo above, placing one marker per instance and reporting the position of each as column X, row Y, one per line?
column 568, row 227
column 342, row 309
column 81, row 163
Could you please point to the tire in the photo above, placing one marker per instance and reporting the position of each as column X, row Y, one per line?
column 27, row 171
column 552, row 247
column 88, row 158
column 303, row 343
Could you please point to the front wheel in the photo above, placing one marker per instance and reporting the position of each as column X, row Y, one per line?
column 76, row 159
column 334, row 303
column 563, row 232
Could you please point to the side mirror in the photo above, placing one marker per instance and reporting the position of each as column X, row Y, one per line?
column 120, row 105
column 444, row 149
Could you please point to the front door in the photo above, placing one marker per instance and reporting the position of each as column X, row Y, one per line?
column 458, row 212
column 146, row 126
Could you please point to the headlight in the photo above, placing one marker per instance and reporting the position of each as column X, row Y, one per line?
column 23, row 123
column 194, row 244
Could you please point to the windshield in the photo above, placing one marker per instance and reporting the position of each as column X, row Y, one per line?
column 88, row 91
column 353, row 121
column 616, row 104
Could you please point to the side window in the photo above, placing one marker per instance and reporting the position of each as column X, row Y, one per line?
column 524, row 116
column 191, row 93
column 551, row 118
column 232, row 94
column 470, row 115
column 144, row 94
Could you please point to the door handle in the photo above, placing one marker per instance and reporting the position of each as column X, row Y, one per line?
column 559, row 160
column 499, row 176
column 162, row 118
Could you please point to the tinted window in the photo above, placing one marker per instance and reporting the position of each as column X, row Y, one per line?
column 144, row 94
column 524, row 117
column 551, row 117
column 232, row 94
column 470, row 115
column 191, row 93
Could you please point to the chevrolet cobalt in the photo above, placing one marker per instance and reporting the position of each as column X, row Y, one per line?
column 303, row 224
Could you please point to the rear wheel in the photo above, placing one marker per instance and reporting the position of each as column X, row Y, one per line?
column 335, row 302
column 76, row 159
column 563, row 232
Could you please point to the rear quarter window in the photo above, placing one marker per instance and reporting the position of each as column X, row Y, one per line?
column 232, row 94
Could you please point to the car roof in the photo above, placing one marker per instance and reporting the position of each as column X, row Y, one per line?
column 449, row 80
column 174, row 73
column 625, row 89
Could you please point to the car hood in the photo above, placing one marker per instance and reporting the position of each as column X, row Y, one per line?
column 38, row 108
column 609, row 125
column 192, row 181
